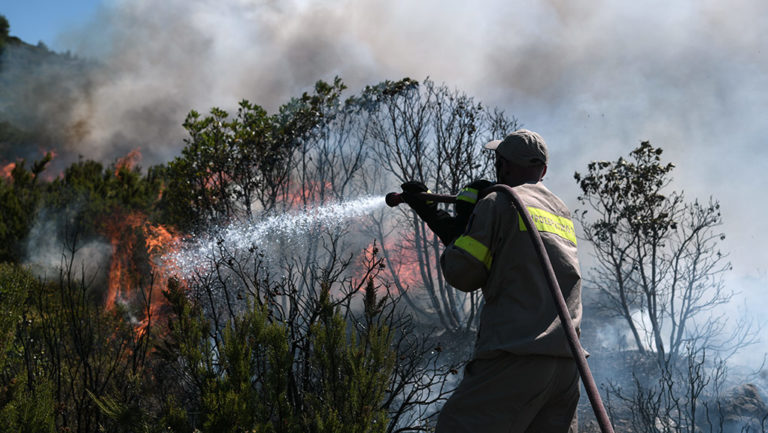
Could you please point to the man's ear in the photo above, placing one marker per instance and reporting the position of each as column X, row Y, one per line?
column 543, row 172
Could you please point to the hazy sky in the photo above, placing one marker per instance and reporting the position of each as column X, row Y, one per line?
column 594, row 78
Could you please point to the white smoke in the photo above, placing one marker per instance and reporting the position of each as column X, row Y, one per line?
column 52, row 248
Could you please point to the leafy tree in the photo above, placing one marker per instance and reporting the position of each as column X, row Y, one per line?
column 19, row 199
column 659, row 266
column 231, row 164
column 27, row 409
column 14, row 285
column 353, row 370
column 659, row 269
column 90, row 191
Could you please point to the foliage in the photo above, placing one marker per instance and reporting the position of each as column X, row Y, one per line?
column 272, row 338
column 659, row 267
column 26, row 409
column 230, row 165
column 19, row 198
column 659, row 271
column 26, row 404
column 14, row 284
column 71, row 365
column 298, row 361
column 245, row 381
column 87, row 192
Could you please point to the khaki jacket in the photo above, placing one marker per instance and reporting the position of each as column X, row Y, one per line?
column 497, row 255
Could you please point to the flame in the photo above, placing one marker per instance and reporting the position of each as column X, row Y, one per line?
column 128, row 162
column 137, row 247
column 404, row 264
column 401, row 262
column 214, row 179
column 308, row 192
column 6, row 170
column 47, row 175
column 51, row 152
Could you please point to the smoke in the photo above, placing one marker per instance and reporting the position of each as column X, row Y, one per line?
column 594, row 79
column 52, row 248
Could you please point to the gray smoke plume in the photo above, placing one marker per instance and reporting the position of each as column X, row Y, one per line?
column 593, row 78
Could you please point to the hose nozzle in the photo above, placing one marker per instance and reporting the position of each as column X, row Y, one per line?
column 393, row 199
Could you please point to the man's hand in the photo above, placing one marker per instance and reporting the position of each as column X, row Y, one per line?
column 438, row 220
column 409, row 196
column 445, row 226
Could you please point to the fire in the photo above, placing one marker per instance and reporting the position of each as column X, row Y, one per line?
column 6, row 170
column 404, row 265
column 51, row 152
column 47, row 175
column 401, row 262
column 129, row 161
column 137, row 246
column 308, row 192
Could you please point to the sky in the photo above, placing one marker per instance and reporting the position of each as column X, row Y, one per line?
column 48, row 21
column 594, row 78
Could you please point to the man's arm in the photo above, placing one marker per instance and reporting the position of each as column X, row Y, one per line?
column 467, row 261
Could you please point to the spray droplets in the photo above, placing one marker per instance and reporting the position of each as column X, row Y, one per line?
column 283, row 228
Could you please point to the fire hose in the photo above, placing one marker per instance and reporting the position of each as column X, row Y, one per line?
column 393, row 199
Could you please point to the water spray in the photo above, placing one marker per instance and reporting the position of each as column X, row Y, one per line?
column 289, row 226
column 393, row 199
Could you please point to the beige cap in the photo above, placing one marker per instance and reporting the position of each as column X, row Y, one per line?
column 522, row 147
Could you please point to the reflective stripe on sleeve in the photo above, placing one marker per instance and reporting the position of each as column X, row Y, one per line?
column 469, row 195
column 550, row 223
column 475, row 248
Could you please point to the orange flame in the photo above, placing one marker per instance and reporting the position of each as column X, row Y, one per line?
column 308, row 192
column 137, row 247
column 404, row 265
column 52, row 152
column 400, row 260
column 6, row 170
column 128, row 161
column 49, row 176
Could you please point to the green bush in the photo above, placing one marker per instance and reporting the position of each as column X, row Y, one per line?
column 26, row 400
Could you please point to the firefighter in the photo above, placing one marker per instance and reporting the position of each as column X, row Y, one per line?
column 522, row 377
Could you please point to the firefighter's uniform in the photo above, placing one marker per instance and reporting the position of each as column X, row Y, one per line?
column 522, row 377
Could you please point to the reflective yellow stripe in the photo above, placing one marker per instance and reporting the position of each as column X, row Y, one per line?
column 469, row 195
column 475, row 248
column 550, row 223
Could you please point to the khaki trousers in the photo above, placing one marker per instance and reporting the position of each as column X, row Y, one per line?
column 514, row 394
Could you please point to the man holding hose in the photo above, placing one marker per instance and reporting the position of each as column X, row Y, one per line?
column 523, row 377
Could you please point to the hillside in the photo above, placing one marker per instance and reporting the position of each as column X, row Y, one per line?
column 35, row 85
